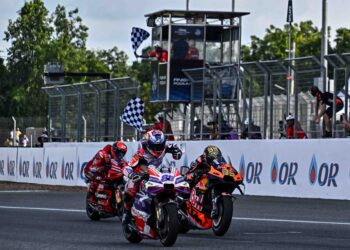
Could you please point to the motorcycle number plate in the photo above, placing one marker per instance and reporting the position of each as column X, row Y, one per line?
column 228, row 172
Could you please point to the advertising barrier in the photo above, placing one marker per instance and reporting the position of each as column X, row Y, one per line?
column 8, row 161
column 288, row 168
column 30, row 167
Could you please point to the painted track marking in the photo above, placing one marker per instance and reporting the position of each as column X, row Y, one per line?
column 295, row 221
column 242, row 218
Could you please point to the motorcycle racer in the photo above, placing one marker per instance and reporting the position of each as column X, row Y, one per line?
column 152, row 150
column 211, row 155
column 97, row 168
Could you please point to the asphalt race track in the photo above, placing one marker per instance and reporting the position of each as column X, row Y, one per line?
column 57, row 220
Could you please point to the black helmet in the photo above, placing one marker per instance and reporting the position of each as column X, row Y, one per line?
column 211, row 153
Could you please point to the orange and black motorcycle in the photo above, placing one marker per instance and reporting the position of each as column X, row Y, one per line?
column 210, row 204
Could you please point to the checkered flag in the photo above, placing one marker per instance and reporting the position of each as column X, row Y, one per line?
column 133, row 113
column 138, row 35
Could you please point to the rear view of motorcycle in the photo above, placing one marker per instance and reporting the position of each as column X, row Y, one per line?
column 210, row 204
column 109, row 195
column 154, row 212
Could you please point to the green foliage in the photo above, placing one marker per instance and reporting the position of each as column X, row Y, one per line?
column 29, row 35
column 37, row 37
column 342, row 41
column 274, row 45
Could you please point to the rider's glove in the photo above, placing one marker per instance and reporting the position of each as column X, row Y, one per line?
column 135, row 177
column 176, row 151
column 177, row 154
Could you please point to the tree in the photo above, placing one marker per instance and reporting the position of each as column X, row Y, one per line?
column 342, row 40
column 4, row 87
column 274, row 45
column 29, row 35
column 68, row 42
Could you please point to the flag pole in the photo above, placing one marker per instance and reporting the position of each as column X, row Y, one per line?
column 290, row 21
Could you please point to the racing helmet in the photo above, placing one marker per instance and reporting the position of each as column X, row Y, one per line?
column 119, row 149
column 211, row 153
column 155, row 142
column 290, row 117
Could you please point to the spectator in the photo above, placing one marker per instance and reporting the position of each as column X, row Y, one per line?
column 45, row 131
column 213, row 128
column 251, row 131
column 11, row 135
column 160, row 126
column 179, row 49
column 160, row 53
column 25, row 141
column 345, row 122
column 8, row 142
column 18, row 134
column 42, row 139
column 192, row 52
column 291, row 124
column 325, row 99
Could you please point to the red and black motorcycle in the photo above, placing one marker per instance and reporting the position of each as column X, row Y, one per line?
column 210, row 203
column 109, row 195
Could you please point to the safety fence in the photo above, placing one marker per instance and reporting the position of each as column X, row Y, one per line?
column 222, row 98
column 90, row 111
column 295, row 168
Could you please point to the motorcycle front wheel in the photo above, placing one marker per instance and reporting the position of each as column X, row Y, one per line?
column 223, row 221
column 131, row 235
column 91, row 212
column 168, row 224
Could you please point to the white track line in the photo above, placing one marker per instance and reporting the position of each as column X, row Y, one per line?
column 44, row 209
column 241, row 218
column 295, row 221
column 24, row 191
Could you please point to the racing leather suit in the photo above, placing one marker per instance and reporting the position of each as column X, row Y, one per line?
column 97, row 168
column 140, row 158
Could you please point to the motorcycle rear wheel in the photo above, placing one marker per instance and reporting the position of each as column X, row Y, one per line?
column 168, row 227
column 222, row 223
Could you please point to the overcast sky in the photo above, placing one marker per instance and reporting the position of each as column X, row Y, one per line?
column 110, row 21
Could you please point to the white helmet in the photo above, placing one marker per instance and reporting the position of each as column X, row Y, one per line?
column 289, row 117
column 156, row 44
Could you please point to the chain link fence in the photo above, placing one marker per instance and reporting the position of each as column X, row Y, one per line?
column 223, row 95
column 90, row 111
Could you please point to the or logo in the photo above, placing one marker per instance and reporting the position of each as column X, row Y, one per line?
column 37, row 166
column 284, row 173
column 251, row 172
column 2, row 166
column 51, row 169
column 67, row 169
column 23, row 168
column 325, row 175
column 11, row 165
